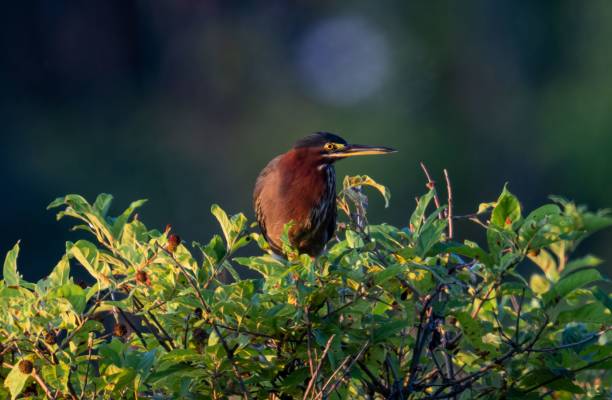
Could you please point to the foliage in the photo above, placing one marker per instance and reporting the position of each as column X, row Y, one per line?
column 385, row 312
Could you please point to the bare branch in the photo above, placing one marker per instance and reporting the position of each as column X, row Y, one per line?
column 344, row 373
column 449, row 211
column 313, row 379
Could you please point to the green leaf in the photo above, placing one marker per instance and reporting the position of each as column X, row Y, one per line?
column 9, row 272
column 417, row 217
column 354, row 240
column 75, row 201
column 482, row 207
column 103, row 203
column 389, row 329
column 474, row 331
column 570, row 283
column 543, row 211
column 539, row 284
column 74, row 294
column 388, row 273
column 594, row 313
column 121, row 220
column 507, row 210
column 265, row 265
column 595, row 222
column 547, row 264
column 296, row 378
column 231, row 227
column 61, row 273
column 603, row 297
column 91, row 259
column 15, row 381
column 213, row 339
column 584, row 262
column 56, row 376
column 431, row 233
column 364, row 180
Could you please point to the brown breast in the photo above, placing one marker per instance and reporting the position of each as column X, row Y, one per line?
column 296, row 187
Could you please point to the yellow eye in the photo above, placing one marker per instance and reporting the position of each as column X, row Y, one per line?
column 330, row 146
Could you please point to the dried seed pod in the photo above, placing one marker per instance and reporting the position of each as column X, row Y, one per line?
column 142, row 277
column 119, row 330
column 50, row 338
column 173, row 242
column 26, row 366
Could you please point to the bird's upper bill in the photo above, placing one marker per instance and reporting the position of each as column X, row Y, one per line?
column 351, row 150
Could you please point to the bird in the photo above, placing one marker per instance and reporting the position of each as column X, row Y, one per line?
column 299, row 186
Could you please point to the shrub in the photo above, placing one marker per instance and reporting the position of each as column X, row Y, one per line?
column 385, row 312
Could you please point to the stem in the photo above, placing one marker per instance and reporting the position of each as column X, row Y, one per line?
column 206, row 307
column 313, row 379
column 431, row 185
column 572, row 371
column 449, row 211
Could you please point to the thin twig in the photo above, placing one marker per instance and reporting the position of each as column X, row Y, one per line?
column 431, row 185
column 89, row 349
column 170, row 343
column 309, row 341
column 570, row 345
column 185, row 343
column 449, row 210
column 518, row 317
column 571, row 371
column 42, row 384
column 423, row 331
column 134, row 327
column 375, row 381
column 346, row 371
column 485, row 299
column 313, row 379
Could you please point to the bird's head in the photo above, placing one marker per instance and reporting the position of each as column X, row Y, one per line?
column 332, row 147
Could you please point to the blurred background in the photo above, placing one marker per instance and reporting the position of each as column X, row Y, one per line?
column 184, row 101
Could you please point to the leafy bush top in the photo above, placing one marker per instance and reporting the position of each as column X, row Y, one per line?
column 385, row 312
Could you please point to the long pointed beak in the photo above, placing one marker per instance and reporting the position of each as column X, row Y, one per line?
column 352, row 150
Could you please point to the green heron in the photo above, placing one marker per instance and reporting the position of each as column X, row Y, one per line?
column 299, row 186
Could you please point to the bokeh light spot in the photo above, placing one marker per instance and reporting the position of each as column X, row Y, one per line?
column 343, row 60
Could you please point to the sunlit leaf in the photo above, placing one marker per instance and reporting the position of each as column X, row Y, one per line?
column 9, row 272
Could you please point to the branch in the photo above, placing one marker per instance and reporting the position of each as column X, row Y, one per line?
column 518, row 317
column 375, row 381
column 570, row 345
column 134, row 327
column 89, row 349
column 571, row 371
column 449, row 211
column 42, row 384
column 431, row 185
column 168, row 346
column 463, row 383
column 313, row 379
column 206, row 307
column 346, row 371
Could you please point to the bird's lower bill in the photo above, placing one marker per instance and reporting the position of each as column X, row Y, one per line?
column 360, row 150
